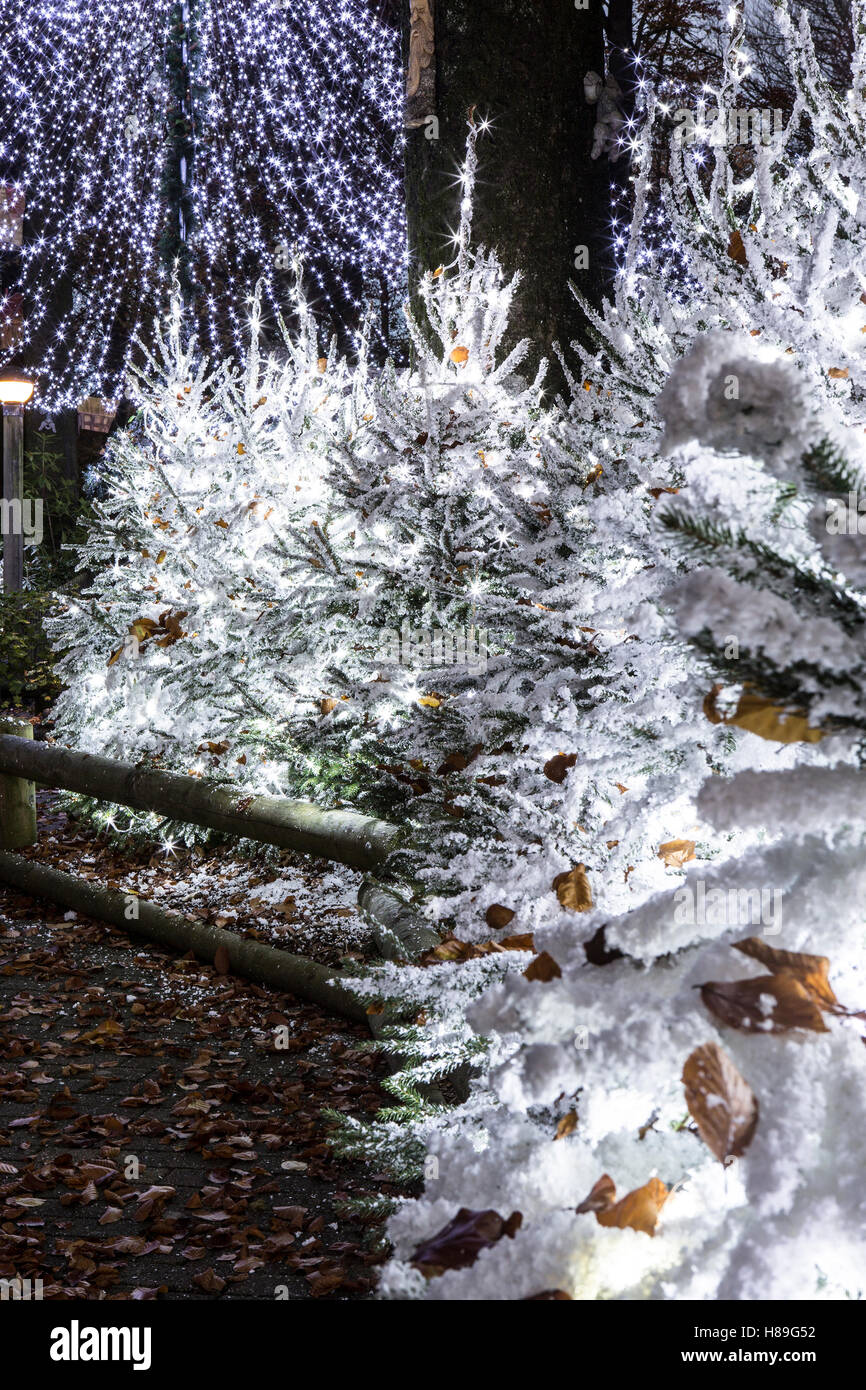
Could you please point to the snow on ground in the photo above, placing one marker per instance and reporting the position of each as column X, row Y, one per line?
column 302, row 905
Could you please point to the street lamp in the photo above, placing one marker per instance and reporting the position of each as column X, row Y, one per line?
column 14, row 393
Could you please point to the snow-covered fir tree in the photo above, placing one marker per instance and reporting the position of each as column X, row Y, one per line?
column 442, row 633
column 765, row 424
column 568, row 645
column 209, row 503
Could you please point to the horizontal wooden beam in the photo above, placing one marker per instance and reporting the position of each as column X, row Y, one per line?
column 305, row 979
column 360, row 841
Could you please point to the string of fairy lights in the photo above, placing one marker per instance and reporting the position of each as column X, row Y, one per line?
column 296, row 108
column 297, row 138
column 645, row 137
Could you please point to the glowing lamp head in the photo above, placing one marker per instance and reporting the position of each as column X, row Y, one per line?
column 15, row 391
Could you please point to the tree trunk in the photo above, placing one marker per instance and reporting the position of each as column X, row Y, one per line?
column 540, row 198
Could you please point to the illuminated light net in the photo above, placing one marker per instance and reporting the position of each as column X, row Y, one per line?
column 297, row 112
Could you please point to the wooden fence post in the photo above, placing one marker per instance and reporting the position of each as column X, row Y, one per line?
column 17, row 797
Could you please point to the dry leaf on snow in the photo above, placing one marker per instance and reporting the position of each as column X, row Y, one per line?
column 765, row 1004
column 758, row 715
column 638, row 1210
column 460, row 1243
column 676, row 853
column 720, row 1101
column 573, row 890
column 543, row 968
column 811, row 971
column 556, row 768
column 454, row 949
column 736, row 249
column 567, row 1125
column 602, row 1196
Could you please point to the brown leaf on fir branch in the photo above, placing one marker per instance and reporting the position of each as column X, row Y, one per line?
column 165, row 632
column 765, row 1004
column 459, row 1244
column 810, row 971
column 544, row 968
column 454, row 949
column 458, row 762
column 602, row 1196
column 573, row 890
column 556, row 768
column 758, row 715
column 720, row 1101
column 567, row 1125
column 736, row 249
column 498, row 916
column 676, row 853
column 638, row 1210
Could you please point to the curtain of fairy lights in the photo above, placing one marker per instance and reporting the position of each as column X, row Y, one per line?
column 296, row 153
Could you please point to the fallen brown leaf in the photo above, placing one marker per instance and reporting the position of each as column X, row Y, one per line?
column 601, row 1197
column 573, row 890
column 459, row 1244
column 811, row 971
column 557, row 768
column 638, row 1210
column 764, row 1004
column 543, row 968
column 760, row 716
column 720, row 1101
column 736, row 248
column 676, row 853
column 567, row 1125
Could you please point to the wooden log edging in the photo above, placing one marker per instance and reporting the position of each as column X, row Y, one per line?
column 360, row 841
column 267, row 965
column 399, row 930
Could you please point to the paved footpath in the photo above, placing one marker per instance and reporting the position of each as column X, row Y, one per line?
column 154, row 1139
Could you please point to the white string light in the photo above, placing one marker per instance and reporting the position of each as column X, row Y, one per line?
column 297, row 112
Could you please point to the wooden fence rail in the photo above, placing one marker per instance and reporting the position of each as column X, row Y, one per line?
column 360, row 841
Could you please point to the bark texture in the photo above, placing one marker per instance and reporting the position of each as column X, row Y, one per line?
column 17, row 797
column 359, row 841
column 400, row 932
column 521, row 64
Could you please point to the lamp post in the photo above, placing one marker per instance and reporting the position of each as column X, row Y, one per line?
column 14, row 393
